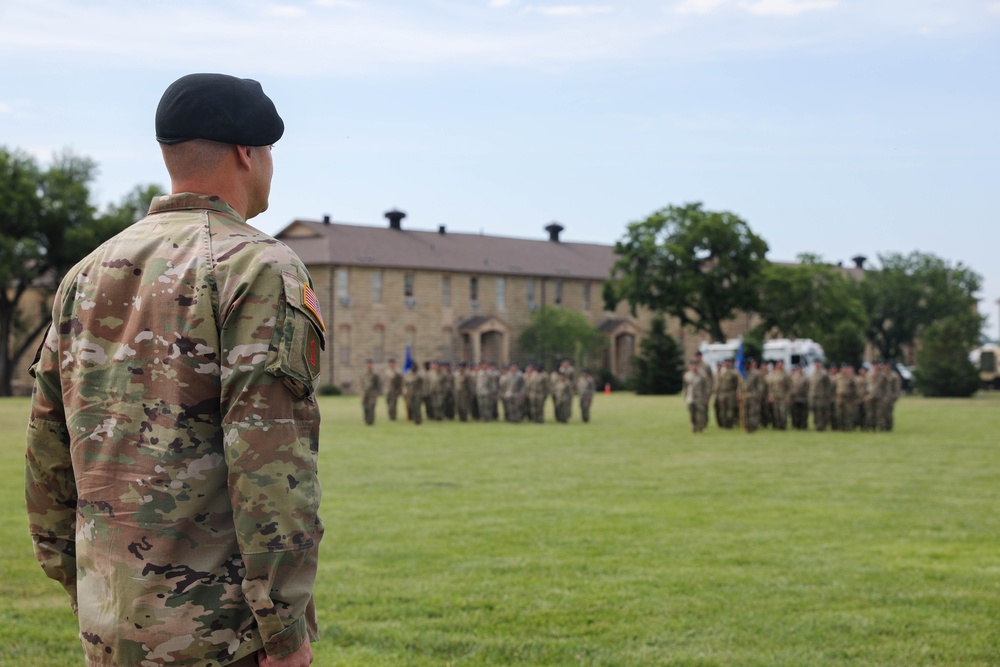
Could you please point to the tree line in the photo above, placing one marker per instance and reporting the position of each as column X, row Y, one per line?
column 48, row 223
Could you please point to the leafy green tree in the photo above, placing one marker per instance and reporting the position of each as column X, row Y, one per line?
column 844, row 343
column 808, row 300
column 47, row 224
column 911, row 292
column 555, row 333
column 943, row 365
column 699, row 266
column 659, row 367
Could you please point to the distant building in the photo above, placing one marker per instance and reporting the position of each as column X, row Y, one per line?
column 449, row 296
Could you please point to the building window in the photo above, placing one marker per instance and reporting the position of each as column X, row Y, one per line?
column 501, row 293
column 532, row 304
column 378, row 344
column 474, row 290
column 377, row 287
column 408, row 284
column 344, row 344
column 586, row 296
column 343, row 287
column 446, row 291
column 558, row 299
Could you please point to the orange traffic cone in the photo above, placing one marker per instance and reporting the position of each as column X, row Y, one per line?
column 607, row 387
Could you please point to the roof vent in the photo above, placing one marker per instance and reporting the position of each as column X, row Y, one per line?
column 441, row 230
column 859, row 261
column 326, row 220
column 395, row 217
column 553, row 229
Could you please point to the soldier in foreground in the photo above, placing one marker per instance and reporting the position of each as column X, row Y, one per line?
column 172, row 446
column 585, row 389
column 695, row 393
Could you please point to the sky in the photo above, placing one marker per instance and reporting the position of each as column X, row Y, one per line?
column 832, row 127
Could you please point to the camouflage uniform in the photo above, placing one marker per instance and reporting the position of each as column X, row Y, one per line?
column 847, row 400
column 369, row 387
column 894, row 388
column 727, row 389
column 753, row 387
column 173, row 440
column 779, row 390
column 820, row 393
column 585, row 389
column 393, row 383
column 483, row 395
column 800, row 400
column 562, row 395
column 695, row 392
column 464, row 393
column 538, row 390
column 413, row 394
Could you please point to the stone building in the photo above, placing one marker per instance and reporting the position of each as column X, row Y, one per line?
column 449, row 296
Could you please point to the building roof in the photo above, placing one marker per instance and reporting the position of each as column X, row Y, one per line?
column 322, row 243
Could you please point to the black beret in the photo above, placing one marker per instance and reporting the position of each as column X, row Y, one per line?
column 217, row 107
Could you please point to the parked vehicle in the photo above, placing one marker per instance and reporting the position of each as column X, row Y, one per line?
column 797, row 352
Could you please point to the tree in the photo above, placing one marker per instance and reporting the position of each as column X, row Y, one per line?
column 844, row 343
column 911, row 292
column 48, row 224
column 699, row 266
column 808, row 300
column 555, row 333
column 943, row 365
column 659, row 368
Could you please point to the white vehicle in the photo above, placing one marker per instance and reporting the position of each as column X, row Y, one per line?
column 798, row 352
column 986, row 359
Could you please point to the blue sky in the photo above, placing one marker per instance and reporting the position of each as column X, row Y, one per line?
column 836, row 127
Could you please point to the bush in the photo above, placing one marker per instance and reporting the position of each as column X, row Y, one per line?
column 329, row 390
column 659, row 368
column 943, row 366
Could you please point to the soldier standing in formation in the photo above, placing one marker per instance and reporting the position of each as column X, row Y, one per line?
column 726, row 395
column 847, row 398
column 413, row 393
column 393, row 383
column 537, row 387
column 464, row 392
column 753, row 388
column 820, row 396
column 800, row 399
column 585, row 389
column 695, row 396
column 369, row 388
column 562, row 396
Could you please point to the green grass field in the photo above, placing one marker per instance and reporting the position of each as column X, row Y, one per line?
column 628, row 541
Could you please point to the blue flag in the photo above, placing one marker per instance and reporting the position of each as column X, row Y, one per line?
column 739, row 359
column 408, row 361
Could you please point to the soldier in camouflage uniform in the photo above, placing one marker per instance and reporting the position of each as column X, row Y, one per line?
column 695, row 391
column 537, row 387
column 779, row 391
column 820, row 394
column 893, row 390
column 464, row 392
column 483, row 396
column 173, row 440
column 413, row 394
column 369, row 387
column 727, row 390
column 393, row 383
column 562, row 396
column 585, row 390
column 800, row 399
column 752, row 388
column 846, row 389
column 448, row 387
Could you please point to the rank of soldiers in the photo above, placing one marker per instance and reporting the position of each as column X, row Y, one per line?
column 838, row 397
column 476, row 392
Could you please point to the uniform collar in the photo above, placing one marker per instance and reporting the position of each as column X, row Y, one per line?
column 189, row 200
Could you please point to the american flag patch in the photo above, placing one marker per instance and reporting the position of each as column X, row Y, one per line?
column 312, row 303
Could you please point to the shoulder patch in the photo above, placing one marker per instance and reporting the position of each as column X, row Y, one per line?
column 310, row 301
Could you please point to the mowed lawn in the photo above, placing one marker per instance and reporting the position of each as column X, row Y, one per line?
column 628, row 541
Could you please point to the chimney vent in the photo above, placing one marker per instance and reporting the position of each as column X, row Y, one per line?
column 326, row 220
column 395, row 217
column 859, row 261
column 441, row 230
column 553, row 229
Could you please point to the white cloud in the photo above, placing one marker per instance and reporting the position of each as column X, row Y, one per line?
column 573, row 10
column 499, row 3
column 788, row 7
column 993, row 8
column 699, row 6
column 6, row 107
column 285, row 11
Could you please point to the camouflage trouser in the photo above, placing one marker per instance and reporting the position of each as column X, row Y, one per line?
column 462, row 406
column 585, row 402
column 872, row 406
column 414, row 407
column 779, row 415
column 485, row 409
column 800, row 416
column 563, row 410
column 698, row 413
column 726, row 410
column 369, row 407
column 537, row 408
column 885, row 415
column 751, row 413
column 821, row 415
column 847, row 414
column 390, row 401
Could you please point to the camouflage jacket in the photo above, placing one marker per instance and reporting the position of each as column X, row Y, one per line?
column 173, row 441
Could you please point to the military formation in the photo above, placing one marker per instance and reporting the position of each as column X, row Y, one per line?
column 481, row 392
column 838, row 397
